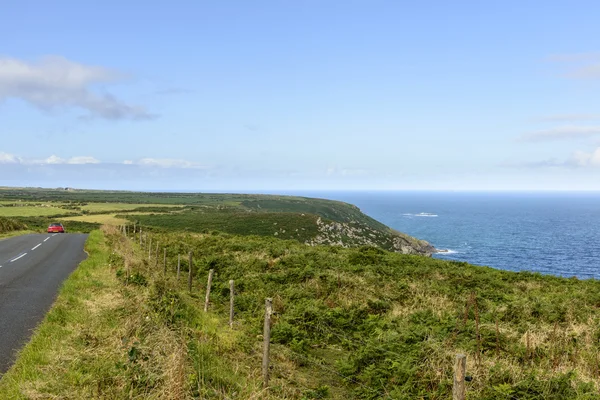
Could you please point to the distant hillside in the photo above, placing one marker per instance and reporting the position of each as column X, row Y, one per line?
column 308, row 220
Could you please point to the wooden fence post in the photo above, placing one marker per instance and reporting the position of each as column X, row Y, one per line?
column 178, row 265
column 140, row 236
column 208, row 285
column 460, row 367
column 165, row 262
column 231, row 300
column 149, row 249
column 156, row 257
column 190, row 273
column 267, row 341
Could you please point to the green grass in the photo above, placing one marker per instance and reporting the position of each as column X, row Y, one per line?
column 9, row 225
column 391, row 324
column 288, row 217
column 275, row 224
column 349, row 323
column 44, row 353
column 116, row 207
column 33, row 211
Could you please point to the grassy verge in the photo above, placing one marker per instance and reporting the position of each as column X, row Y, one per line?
column 110, row 339
column 349, row 323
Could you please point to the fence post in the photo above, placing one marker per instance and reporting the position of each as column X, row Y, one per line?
column 165, row 262
column 190, row 273
column 156, row 257
column 460, row 367
column 149, row 249
column 208, row 285
column 178, row 265
column 140, row 236
column 267, row 341
column 231, row 300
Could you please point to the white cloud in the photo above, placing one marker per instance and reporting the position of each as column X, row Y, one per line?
column 6, row 158
column 52, row 160
column 83, row 160
column 562, row 133
column 168, row 163
column 57, row 82
column 584, row 159
column 577, row 159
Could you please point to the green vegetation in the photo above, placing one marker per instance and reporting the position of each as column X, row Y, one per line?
column 9, row 225
column 349, row 323
column 357, row 322
column 308, row 220
column 280, row 224
column 31, row 211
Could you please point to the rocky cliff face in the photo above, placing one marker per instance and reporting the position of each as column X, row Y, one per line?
column 355, row 234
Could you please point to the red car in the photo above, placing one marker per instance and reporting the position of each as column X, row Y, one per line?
column 56, row 228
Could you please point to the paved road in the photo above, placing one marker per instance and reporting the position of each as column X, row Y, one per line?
column 32, row 268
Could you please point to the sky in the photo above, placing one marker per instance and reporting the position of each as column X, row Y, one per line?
column 300, row 95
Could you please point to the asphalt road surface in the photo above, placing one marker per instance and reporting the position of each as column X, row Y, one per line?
column 32, row 269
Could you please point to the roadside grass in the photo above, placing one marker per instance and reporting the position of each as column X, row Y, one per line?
column 105, row 339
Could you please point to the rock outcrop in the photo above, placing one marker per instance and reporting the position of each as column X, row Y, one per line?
column 355, row 234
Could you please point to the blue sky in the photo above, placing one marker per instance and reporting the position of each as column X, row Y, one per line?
column 299, row 95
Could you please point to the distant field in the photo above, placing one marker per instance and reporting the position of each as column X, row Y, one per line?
column 108, row 219
column 105, row 207
column 32, row 211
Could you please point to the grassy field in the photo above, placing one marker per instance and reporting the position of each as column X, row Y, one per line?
column 108, row 219
column 349, row 323
column 116, row 207
column 33, row 211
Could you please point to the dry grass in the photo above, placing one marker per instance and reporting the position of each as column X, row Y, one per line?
column 105, row 219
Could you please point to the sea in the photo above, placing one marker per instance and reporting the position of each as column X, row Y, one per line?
column 556, row 233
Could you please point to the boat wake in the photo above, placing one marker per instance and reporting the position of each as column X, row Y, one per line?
column 423, row 214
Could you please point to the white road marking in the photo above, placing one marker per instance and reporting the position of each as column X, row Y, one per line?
column 36, row 247
column 55, row 234
column 21, row 256
column 47, row 238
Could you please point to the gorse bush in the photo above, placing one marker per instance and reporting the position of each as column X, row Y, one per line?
column 9, row 225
